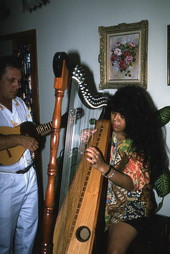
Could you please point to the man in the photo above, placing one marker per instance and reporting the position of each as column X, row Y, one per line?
column 18, row 183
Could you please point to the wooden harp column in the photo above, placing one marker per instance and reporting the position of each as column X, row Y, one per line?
column 61, row 72
column 75, row 225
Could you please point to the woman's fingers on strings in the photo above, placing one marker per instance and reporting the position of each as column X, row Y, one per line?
column 91, row 155
column 86, row 134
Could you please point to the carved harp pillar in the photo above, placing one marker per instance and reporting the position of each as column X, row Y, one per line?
column 60, row 85
column 81, row 185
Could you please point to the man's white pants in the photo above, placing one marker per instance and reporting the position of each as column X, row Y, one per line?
column 18, row 212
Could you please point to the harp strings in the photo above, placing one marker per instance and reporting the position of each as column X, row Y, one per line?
column 80, row 118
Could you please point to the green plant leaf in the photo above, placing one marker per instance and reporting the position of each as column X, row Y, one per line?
column 162, row 184
column 163, row 116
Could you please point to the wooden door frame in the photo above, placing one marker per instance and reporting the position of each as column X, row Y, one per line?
column 28, row 37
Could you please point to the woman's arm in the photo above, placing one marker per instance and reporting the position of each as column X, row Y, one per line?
column 94, row 156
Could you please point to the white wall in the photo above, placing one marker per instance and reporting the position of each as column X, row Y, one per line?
column 72, row 26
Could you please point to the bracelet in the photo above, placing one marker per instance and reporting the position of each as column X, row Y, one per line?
column 108, row 171
column 111, row 174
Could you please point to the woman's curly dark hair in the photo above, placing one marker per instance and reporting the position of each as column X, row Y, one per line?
column 136, row 105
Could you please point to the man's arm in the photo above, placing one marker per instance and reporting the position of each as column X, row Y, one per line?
column 8, row 141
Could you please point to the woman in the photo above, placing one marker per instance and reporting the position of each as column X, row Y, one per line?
column 137, row 157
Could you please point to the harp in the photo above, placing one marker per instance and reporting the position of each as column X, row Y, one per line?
column 80, row 196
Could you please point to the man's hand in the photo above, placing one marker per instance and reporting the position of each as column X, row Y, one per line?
column 9, row 141
column 28, row 142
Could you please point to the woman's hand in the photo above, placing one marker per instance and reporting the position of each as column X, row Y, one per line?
column 86, row 134
column 95, row 157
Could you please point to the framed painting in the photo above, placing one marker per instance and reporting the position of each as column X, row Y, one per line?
column 123, row 55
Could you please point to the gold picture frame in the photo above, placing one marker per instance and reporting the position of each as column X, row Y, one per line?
column 123, row 55
column 168, row 55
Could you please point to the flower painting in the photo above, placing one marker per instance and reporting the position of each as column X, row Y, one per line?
column 123, row 55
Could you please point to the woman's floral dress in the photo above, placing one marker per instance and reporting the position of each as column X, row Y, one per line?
column 123, row 205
